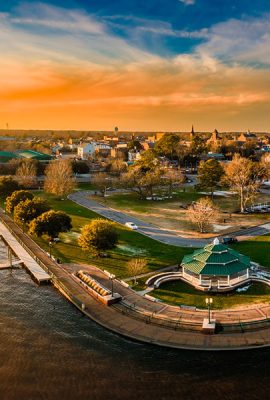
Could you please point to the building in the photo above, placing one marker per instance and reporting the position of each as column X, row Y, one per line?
column 86, row 150
column 6, row 156
column 215, row 267
column 35, row 155
column 247, row 137
column 215, row 138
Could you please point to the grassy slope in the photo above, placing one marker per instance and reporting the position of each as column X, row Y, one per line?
column 258, row 249
column 157, row 254
column 178, row 293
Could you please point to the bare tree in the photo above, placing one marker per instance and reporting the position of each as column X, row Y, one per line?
column 203, row 213
column 59, row 178
column 244, row 177
column 26, row 173
column 136, row 267
column 102, row 181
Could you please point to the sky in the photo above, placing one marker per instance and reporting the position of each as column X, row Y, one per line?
column 156, row 65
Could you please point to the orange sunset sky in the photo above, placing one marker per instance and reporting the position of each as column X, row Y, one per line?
column 72, row 68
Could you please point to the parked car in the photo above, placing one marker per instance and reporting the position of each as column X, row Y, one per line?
column 228, row 240
column 131, row 225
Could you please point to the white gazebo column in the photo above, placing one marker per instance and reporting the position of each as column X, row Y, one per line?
column 200, row 279
column 228, row 279
column 247, row 273
column 183, row 271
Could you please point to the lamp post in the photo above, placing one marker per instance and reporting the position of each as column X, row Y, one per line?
column 208, row 302
column 50, row 247
column 112, row 277
column 5, row 206
column 23, row 227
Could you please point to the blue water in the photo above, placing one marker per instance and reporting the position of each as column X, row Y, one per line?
column 49, row 350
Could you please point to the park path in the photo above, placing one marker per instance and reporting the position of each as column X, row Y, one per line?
column 162, row 235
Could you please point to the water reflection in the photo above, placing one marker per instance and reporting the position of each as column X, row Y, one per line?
column 49, row 350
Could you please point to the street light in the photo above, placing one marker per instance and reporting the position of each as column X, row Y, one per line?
column 209, row 301
column 23, row 224
column 112, row 277
column 50, row 247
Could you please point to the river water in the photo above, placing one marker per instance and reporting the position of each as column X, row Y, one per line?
column 49, row 350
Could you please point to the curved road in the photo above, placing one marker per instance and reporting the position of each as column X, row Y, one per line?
column 162, row 235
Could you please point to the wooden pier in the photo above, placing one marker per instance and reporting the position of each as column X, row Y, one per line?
column 24, row 257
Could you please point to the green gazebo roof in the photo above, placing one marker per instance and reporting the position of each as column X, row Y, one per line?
column 36, row 155
column 215, row 259
column 5, row 156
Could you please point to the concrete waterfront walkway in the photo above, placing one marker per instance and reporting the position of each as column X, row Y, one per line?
column 162, row 235
column 153, row 322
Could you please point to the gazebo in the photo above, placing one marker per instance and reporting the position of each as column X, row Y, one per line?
column 215, row 267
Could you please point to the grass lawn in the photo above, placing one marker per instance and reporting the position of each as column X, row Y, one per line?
column 180, row 293
column 171, row 213
column 131, row 244
column 258, row 249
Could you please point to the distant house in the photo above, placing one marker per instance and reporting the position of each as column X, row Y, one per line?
column 133, row 156
column 212, row 156
column 90, row 149
column 86, row 150
column 215, row 138
column 247, row 137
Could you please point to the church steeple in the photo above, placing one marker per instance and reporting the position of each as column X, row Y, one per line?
column 192, row 133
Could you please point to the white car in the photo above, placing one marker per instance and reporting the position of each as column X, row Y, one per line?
column 131, row 225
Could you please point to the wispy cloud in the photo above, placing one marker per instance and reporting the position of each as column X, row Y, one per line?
column 245, row 41
column 68, row 65
column 188, row 2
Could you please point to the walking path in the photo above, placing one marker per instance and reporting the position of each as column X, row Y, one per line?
column 162, row 235
column 141, row 319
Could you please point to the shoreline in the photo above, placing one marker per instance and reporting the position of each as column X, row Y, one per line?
column 154, row 326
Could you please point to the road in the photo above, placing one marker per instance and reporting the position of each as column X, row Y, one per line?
column 162, row 235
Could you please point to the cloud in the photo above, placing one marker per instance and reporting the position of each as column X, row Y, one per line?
column 246, row 40
column 68, row 65
column 188, row 2
column 48, row 32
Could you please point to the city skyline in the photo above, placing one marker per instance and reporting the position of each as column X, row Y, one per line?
column 154, row 66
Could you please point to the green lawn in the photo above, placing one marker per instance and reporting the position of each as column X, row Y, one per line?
column 180, row 293
column 131, row 244
column 258, row 249
column 131, row 201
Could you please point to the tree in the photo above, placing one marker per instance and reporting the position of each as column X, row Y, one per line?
column 16, row 197
column 136, row 267
column 59, row 178
column 117, row 166
column 30, row 209
column 244, row 176
column 102, row 181
column 98, row 236
column 135, row 145
column 26, row 173
column 202, row 213
column 50, row 223
column 167, row 145
column 198, row 145
column 171, row 179
column 8, row 186
column 209, row 175
column 80, row 167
